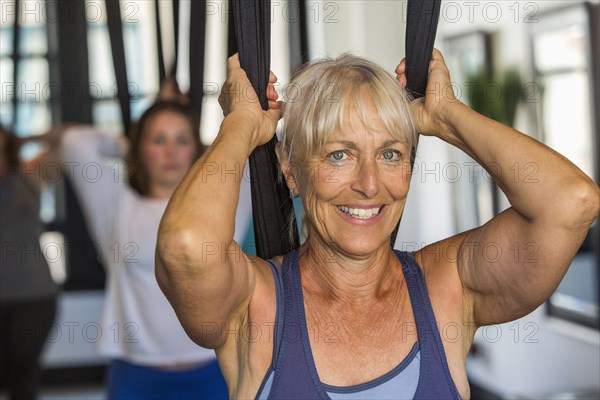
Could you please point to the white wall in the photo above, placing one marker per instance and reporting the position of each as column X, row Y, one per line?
column 535, row 355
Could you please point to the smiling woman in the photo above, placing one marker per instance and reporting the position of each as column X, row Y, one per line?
column 348, row 316
column 362, row 160
column 344, row 114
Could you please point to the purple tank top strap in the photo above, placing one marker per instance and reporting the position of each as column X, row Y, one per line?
column 435, row 381
column 278, row 328
column 294, row 378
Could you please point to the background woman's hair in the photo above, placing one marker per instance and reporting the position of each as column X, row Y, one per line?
column 136, row 170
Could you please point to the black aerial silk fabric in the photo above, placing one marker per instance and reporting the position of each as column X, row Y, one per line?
column 197, row 47
column 272, row 207
column 175, row 4
column 162, row 73
column 421, row 26
column 115, row 32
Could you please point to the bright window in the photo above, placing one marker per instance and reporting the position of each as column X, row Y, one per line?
column 562, row 62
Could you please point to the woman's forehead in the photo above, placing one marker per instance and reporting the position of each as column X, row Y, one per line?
column 359, row 126
column 168, row 121
column 358, row 136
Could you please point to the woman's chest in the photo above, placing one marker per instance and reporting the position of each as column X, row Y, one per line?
column 358, row 346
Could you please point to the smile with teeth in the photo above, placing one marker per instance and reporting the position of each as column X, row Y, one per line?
column 360, row 213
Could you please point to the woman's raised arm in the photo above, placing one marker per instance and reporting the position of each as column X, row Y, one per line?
column 200, row 268
column 535, row 240
column 85, row 152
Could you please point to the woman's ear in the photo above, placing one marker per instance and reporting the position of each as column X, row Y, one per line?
column 286, row 169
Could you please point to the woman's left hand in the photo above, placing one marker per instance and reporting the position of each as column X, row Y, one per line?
column 238, row 95
column 430, row 112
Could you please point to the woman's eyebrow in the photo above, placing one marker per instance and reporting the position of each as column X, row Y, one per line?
column 353, row 145
column 391, row 142
column 345, row 143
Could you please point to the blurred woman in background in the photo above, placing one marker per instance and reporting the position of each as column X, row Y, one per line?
column 152, row 357
column 27, row 291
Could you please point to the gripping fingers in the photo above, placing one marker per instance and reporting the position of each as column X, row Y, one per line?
column 233, row 62
column 437, row 55
column 272, row 77
column 401, row 67
column 271, row 93
column 400, row 71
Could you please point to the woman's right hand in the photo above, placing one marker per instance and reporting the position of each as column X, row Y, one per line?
column 239, row 98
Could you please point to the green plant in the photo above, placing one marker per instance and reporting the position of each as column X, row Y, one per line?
column 496, row 97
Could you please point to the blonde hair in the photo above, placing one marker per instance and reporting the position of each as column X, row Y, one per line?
column 319, row 95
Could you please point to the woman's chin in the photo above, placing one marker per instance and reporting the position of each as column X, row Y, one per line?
column 353, row 241
column 366, row 249
column 359, row 247
column 170, row 180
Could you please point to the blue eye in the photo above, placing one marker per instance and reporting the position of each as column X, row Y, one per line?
column 391, row 155
column 336, row 155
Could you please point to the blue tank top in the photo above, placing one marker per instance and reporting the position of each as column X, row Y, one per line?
column 423, row 374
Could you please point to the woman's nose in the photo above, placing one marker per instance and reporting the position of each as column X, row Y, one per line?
column 367, row 179
column 170, row 148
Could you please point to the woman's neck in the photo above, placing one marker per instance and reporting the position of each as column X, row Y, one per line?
column 348, row 278
column 160, row 192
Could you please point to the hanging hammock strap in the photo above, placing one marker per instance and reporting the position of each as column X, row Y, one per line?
column 421, row 27
column 271, row 204
column 298, row 32
column 15, row 61
column 162, row 73
column 231, row 39
column 197, row 45
column 115, row 32
column 175, row 4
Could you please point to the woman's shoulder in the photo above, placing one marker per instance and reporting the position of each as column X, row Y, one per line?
column 265, row 268
column 268, row 275
column 439, row 265
column 441, row 254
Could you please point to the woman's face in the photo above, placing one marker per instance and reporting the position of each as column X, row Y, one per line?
column 168, row 149
column 354, row 191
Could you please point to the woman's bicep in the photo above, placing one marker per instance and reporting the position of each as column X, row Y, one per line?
column 511, row 265
column 209, row 287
